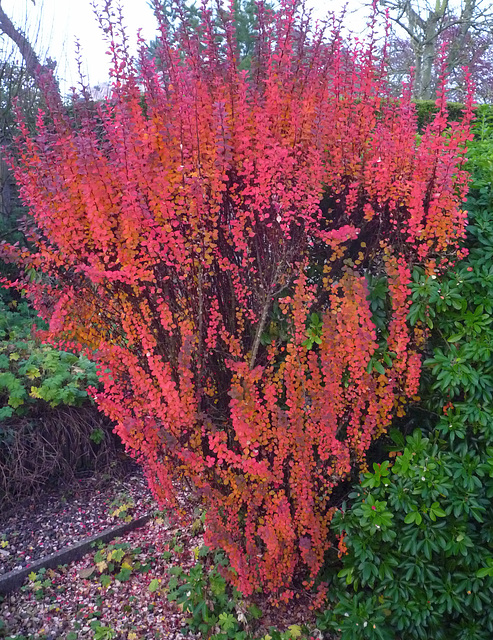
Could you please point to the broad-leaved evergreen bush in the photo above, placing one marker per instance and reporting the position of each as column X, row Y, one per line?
column 419, row 547
column 419, row 529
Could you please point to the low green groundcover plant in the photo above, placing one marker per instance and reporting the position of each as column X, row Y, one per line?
column 214, row 608
column 49, row 427
column 31, row 372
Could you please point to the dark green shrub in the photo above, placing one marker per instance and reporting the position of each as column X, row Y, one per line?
column 419, row 540
column 426, row 111
column 419, row 533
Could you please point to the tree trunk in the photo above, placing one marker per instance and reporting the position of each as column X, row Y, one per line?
column 427, row 88
column 31, row 60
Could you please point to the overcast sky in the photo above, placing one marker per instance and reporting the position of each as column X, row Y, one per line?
column 60, row 22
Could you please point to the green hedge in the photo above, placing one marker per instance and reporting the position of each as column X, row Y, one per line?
column 419, row 531
column 426, row 111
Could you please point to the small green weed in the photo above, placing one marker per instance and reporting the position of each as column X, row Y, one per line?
column 97, row 435
column 101, row 632
column 38, row 583
column 122, row 507
column 116, row 561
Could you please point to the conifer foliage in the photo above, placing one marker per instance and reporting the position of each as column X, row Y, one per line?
column 208, row 234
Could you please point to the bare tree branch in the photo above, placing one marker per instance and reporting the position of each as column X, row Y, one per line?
column 428, row 23
column 27, row 52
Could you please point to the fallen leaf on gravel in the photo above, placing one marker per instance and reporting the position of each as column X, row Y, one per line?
column 127, row 562
column 86, row 572
column 154, row 585
column 295, row 631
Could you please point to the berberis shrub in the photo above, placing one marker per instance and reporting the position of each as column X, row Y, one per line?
column 183, row 245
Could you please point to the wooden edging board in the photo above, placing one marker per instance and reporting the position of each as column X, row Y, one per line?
column 15, row 579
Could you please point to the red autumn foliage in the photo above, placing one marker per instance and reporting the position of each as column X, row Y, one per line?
column 172, row 220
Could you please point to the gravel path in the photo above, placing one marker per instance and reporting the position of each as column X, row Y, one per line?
column 70, row 602
column 38, row 528
column 90, row 599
